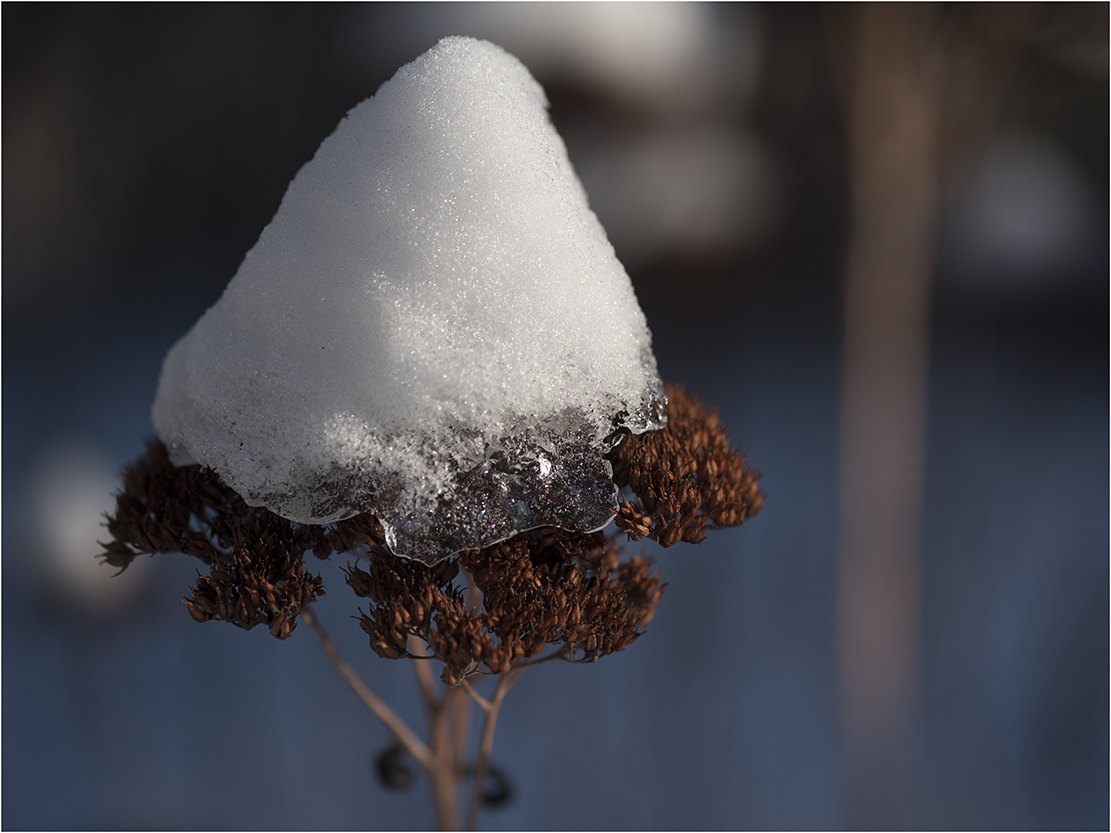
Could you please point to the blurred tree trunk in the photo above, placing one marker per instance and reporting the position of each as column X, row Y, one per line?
column 920, row 87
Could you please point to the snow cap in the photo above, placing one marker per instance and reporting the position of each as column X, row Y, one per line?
column 433, row 328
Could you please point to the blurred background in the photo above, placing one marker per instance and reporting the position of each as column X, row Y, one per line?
column 756, row 167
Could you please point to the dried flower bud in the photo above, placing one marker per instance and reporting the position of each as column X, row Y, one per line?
column 393, row 771
column 360, row 582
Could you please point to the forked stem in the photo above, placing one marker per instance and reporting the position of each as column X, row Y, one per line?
column 449, row 726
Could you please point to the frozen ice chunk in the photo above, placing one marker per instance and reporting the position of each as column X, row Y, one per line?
column 433, row 328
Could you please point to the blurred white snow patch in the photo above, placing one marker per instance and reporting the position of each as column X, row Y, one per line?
column 1024, row 219
column 663, row 57
column 692, row 191
column 73, row 486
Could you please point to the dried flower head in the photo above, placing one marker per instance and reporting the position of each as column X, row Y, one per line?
column 686, row 478
column 255, row 558
column 534, row 590
column 513, row 599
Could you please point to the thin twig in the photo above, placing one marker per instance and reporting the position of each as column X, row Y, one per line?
column 461, row 726
column 562, row 653
column 505, row 682
column 405, row 736
column 483, row 703
column 424, row 677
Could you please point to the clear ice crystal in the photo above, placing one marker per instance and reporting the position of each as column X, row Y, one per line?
column 552, row 473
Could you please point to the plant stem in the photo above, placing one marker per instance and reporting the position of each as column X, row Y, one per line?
column 424, row 677
column 405, row 736
column 449, row 726
column 483, row 703
column 505, row 682
column 444, row 774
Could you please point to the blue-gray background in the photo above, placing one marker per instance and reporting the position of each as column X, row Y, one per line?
column 144, row 148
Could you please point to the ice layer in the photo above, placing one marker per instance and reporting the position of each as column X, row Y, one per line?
column 433, row 328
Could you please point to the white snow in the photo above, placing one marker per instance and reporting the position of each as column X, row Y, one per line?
column 433, row 328
column 71, row 490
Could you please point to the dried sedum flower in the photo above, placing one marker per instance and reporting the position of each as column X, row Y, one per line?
column 538, row 589
column 432, row 362
column 484, row 611
column 687, row 478
column 544, row 587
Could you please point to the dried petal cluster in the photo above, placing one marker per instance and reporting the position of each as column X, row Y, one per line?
column 543, row 588
column 482, row 611
column 255, row 558
column 686, row 478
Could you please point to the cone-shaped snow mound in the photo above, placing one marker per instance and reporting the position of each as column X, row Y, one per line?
column 433, row 328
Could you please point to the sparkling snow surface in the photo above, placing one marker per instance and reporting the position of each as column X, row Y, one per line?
column 433, row 328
